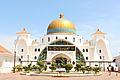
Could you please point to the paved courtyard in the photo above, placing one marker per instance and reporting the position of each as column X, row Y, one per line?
column 16, row 76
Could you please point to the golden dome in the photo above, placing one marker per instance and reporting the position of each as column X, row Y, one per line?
column 61, row 26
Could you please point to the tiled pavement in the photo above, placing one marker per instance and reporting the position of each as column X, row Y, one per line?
column 17, row 76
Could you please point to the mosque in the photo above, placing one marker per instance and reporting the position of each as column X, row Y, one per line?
column 62, row 40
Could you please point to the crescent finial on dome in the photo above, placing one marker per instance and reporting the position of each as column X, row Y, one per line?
column 61, row 15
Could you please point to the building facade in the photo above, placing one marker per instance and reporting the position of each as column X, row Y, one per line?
column 62, row 40
column 6, row 60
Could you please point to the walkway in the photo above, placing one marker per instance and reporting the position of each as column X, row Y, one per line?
column 16, row 76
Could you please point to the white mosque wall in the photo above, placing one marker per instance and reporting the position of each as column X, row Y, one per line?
column 43, row 42
column 91, row 48
column 21, row 48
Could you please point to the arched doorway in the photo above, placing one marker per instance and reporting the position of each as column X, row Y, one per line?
column 61, row 59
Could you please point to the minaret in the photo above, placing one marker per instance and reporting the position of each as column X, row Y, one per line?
column 22, row 45
column 101, row 44
column 23, row 34
column 98, row 34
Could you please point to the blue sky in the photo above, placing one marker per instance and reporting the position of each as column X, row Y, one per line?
column 35, row 16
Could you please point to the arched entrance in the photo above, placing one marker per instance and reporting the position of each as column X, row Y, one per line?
column 61, row 59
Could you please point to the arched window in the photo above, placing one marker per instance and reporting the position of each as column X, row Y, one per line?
column 22, row 50
column 100, row 51
column 83, row 50
column 21, row 57
column 86, row 58
column 48, row 39
column 39, row 50
column 35, row 57
column 66, row 38
column 73, row 39
column 56, row 37
column 86, row 50
column 35, row 50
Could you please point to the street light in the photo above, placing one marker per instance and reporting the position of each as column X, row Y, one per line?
column 14, row 61
column 14, row 57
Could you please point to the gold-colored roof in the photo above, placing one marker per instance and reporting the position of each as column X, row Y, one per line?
column 61, row 23
column 23, row 32
column 99, row 32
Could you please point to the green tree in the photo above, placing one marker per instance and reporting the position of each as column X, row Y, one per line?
column 88, row 68
column 52, row 68
column 40, row 66
column 96, row 69
column 45, row 67
column 26, row 69
column 78, row 66
column 83, row 69
column 68, row 67
column 19, row 68
column 34, row 68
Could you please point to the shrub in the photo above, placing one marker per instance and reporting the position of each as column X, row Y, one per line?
column 68, row 67
column 26, row 69
column 40, row 63
column 76, row 69
column 78, row 66
column 88, row 68
column 53, row 64
column 40, row 66
column 96, row 70
column 45, row 67
column 83, row 69
column 34, row 67
column 52, row 68
column 19, row 68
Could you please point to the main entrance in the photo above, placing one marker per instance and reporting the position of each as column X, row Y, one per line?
column 61, row 59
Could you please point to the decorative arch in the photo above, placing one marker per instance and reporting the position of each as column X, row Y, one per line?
column 60, row 42
column 61, row 59
column 43, row 55
column 79, row 56
column 102, row 46
column 61, row 55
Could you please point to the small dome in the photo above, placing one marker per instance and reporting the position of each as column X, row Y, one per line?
column 61, row 26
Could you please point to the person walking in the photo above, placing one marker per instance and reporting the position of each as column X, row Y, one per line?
column 109, row 69
column 116, row 70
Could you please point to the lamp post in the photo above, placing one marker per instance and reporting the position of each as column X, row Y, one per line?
column 14, row 61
